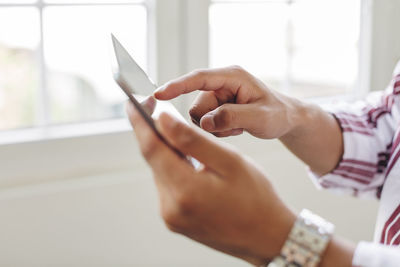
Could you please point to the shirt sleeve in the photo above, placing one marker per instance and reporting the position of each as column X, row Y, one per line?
column 376, row 255
column 368, row 128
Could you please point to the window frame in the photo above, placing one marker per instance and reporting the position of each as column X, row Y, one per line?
column 175, row 28
column 43, row 106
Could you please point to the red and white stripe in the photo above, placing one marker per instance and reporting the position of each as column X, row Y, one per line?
column 396, row 85
column 370, row 168
column 374, row 113
column 391, row 230
column 394, row 155
column 351, row 123
column 365, row 123
column 359, row 171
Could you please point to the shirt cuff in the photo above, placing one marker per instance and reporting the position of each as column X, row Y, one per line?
column 376, row 255
column 357, row 171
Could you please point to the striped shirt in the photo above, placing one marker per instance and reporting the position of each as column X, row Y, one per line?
column 370, row 167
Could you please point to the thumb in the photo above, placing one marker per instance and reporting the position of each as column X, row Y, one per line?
column 149, row 105
column 227, row 117
column 214, row 154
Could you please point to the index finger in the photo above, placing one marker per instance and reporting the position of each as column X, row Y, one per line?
column 203, row 80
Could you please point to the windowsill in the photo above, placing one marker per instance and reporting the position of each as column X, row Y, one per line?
column 103, row 127
column 64, row 131
column 30, row 156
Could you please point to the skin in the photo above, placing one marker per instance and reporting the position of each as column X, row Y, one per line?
column 232, row 101
column 229, row 204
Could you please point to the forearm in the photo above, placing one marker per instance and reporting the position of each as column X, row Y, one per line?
column 315, row 137
column 338, row 253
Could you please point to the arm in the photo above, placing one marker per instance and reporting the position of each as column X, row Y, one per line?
column 233, row 101
column 228, row 205
column 352, row 146
column 316, row 139
column 204, row 204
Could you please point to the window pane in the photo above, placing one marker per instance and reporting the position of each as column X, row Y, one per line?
column 16, row 1
column 251, row 35
column 238, row 1
column 19, row 39
column 325, row 54
column 92, row 1
column 299, row 47
column 77, row 56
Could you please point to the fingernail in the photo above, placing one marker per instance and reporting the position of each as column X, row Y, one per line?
column 207, row 123
column 149, row 105
column 237, row 132
column 159, row 89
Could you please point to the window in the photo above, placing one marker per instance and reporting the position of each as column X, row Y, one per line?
column 54, row 62
column 305, row 48
column 54, row 59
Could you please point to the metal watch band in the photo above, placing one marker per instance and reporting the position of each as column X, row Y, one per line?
column 306, row 242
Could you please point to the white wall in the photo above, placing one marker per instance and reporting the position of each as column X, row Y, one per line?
column 112, row 218
column 385, row 47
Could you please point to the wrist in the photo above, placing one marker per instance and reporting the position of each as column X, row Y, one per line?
column 273, row 238
column 338, row 253
column 299, row 117
column 310, row 243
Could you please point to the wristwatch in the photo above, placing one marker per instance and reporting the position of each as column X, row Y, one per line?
column 307, row 241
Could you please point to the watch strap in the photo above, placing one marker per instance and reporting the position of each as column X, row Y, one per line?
column 307, row 241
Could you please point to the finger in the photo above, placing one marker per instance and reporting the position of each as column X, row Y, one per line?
column 205, row 80
column 157, row 154
column 191, row 141
column 204, row 103
column 160, row 157
column 149, row 104
column 233, row 132
column 228, row 117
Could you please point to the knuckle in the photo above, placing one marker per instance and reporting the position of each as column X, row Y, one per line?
column 186, row 204
column 194, row 114
column 176, row 128
column 176, row 215
column 199, row 73
column 184, row 135
column 171, row 220
column 223, row 118
column 237, row 69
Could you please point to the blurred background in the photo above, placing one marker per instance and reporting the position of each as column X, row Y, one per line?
column 74, row 189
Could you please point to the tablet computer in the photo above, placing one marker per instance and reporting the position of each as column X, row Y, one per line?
column 136, row 84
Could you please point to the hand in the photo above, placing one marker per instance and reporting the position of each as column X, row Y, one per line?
column 228, row 205
column 233, row 101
